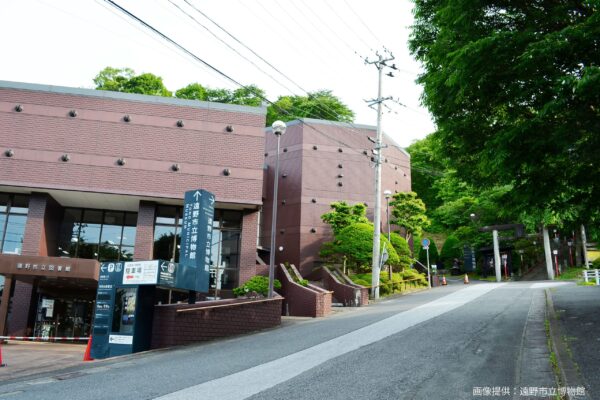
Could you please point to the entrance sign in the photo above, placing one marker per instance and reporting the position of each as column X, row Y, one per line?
column 140, row 273
column 196, row 237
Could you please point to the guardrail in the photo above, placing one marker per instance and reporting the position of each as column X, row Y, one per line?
column 593, row 273
column 45, row 338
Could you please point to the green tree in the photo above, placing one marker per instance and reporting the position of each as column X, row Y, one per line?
column 193, row 91
column 451, row 250
column 342, row 214
column 402, row 249
column 409, row 213
column 321, row 104
column 356, row 243
column 514, row 88
column 125, row 80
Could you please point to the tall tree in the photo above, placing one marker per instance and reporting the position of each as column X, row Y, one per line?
column 409, row 213
column 514, row 88
column 343, row 214
column 250, row 95
column 321, row 105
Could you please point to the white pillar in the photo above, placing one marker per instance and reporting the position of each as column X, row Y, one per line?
column 548, row 253
column 584, row 245
column 497, row 256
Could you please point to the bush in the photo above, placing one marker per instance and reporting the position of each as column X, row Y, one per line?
column 451, row 250
column 401, row 247
column 258, row 284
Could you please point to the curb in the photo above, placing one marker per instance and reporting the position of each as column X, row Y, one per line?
column 569, row 374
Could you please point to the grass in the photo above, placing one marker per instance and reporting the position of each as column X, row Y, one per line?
column 489, row 278
column 571, row 274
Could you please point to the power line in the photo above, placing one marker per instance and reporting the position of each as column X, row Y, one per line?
column 321, row 107
column 213, row 68
column 363, row 23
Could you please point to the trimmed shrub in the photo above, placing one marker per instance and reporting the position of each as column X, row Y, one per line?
column 258, row 284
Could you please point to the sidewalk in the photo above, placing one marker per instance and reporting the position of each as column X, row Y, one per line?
column 29, row 358
column 577, row 310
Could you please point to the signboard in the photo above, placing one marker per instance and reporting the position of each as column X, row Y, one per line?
column 196, row 239
column 167, row 273
column 425, row 243
column 48, row 304
column 120, row 339
column 140, row 273
column 469, row 261
column 111, row 274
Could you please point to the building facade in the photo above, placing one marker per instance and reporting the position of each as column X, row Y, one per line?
column 322, row 162
column 88, row 176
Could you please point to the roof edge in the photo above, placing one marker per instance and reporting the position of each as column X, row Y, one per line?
column 141, row 98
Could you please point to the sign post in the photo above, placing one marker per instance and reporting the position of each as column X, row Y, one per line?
column 196, row 238
column 425, row 243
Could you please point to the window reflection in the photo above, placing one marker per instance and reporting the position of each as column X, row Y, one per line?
column 225, row 250
column 13, row 218
column 97, row 234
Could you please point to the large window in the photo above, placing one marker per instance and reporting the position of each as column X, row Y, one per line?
column 13, row 217
column 98, row 234
column 227, row 229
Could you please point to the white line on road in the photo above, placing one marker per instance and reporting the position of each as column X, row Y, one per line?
column 254, row 380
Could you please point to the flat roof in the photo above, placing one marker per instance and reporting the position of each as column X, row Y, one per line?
column 141, row 98
column 349, row 125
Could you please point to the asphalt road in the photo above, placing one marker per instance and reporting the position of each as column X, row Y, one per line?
column 454, row 342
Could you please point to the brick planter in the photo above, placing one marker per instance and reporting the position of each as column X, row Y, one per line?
column 177, row 324
column 302, row 301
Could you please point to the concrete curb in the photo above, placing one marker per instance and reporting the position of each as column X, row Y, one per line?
column 569, row 373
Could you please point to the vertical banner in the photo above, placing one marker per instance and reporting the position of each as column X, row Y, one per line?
column 196, row 239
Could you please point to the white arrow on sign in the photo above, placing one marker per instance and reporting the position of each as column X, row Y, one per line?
column 164, row 266
column 103, row 268
column 197, row 194
column 212, row 200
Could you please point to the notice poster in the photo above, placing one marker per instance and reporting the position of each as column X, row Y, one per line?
column 140, row 273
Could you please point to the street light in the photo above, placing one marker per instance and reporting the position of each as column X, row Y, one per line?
column 278, row 130
column 388, row 194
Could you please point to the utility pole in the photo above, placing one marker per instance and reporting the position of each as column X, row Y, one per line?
column 380, row 64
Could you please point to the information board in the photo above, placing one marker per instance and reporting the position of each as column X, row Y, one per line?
column 196, row 239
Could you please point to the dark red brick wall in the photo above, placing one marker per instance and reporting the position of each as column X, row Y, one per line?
column 34, row 237
column 318, row 173
column 207, row 322
column 144, row 234
column 150, row 143
column 345, row 293
column 248, row 267
column 19, row 313
column 302, row 301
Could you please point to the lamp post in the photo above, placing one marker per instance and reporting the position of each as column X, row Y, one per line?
column 388, row 194
column 278, row 130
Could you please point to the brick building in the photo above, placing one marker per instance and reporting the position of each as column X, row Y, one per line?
column 87, row 176
column 322, row 162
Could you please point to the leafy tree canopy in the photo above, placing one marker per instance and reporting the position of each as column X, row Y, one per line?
column 248, row 96
column 342, row 214
column 401, row 247
column 321, row 105
column 125, row 80
column 356, row 243
column 514, row 88
column 409, row 213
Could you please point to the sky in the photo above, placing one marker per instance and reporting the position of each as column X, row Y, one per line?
column 311, row 44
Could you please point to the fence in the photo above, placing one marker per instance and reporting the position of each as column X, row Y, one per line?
column 593, row 273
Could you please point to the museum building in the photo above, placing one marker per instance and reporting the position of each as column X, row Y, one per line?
column 321, row 162
column 88, row 176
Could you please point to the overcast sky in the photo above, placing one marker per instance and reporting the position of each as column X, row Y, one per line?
column 315, row 44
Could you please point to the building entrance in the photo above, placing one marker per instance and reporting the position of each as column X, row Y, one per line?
column 63, row 317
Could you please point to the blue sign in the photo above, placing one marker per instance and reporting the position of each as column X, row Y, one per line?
column 196, row 239
column 425, row 242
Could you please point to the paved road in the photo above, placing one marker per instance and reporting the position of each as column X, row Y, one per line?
column 448, row 343
column 578, row 312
